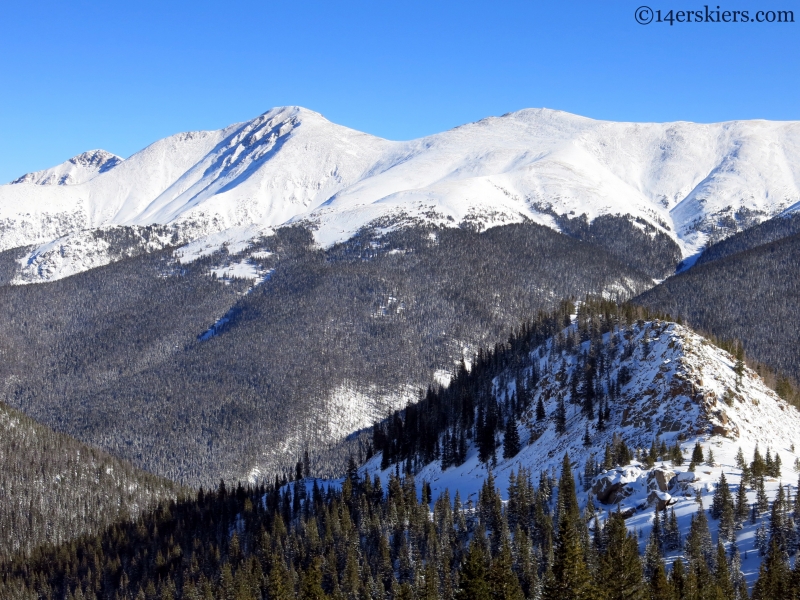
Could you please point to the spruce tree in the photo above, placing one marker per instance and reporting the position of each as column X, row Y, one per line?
column 561, row 416
column 742, row 506
column 699, row 548
column 503, row 582
column 677, row 579
column 620, row 566
column 570, row 579
column 311, row 583
column 774, row 577
column 473, row 584
column 722, row 576
column 660, row 587
column 540, row 413
column 697, row 453
column 511, row 443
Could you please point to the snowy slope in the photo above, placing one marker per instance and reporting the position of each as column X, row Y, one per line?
column 78, row 169
column 677, row 393
column 292, row 165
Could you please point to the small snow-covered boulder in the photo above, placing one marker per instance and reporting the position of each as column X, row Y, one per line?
column 660, row 479
column 659, row 499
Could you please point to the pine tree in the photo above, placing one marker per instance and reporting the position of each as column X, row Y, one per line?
column 722, row 576
column 620, row 566
column 774, row 577
column 722, row 508
column 561, row 416
column 311, row 583
column 430, row 586
column 699, row 548
column 653, row 555
column 737, row 576
column 278, row 583
column 503, row 582
column 540, row 413
column 660, row 587
column 761, row 495
column 473, row 584
column 511, row 443
column 570, row 579
column 740, row 463
column 697, row 453
column 742, row 506
column 677, row 579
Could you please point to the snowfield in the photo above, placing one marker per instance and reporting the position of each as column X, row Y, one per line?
column 290, row 165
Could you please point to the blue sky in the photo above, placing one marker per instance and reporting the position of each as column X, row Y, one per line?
column 119, row 75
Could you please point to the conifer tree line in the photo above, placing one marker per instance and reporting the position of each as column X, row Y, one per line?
column 367, row 540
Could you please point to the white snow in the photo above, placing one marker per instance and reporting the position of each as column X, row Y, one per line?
column 239, row 270
column 291, row 165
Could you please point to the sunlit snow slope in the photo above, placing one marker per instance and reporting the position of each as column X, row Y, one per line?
column 292, row 165
column 683, row 390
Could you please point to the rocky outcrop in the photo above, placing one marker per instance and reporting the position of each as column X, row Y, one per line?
column 615, row 485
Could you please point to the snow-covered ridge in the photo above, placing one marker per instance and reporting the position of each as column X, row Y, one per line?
column 78, row 169
column 676, row 387
column 290, row 164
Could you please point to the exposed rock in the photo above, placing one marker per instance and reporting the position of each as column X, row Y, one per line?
column 613, row 486
column 660, row 479
column 682, row 481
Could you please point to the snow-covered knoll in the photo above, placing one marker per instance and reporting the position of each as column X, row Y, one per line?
column 682, row 389
column 292, row 165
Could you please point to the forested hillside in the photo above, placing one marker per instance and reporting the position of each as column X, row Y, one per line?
column 395, row 536
column 331, row 340
column 752, row 296
column 757, row 235
column 54, row 489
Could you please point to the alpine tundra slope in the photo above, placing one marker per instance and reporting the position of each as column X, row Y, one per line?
column 694, row 182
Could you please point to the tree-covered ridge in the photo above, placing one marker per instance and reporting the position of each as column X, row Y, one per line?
column 767, row 232
column 751, row 295
column 365, row 539
column 597, row 360
column 54, row 488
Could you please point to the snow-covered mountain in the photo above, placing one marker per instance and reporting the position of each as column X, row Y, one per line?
column 677, row 388
column 78, row 169
column 693, row 181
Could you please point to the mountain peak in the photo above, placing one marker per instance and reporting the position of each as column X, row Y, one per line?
column 78, row 169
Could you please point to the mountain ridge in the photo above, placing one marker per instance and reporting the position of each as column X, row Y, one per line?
column 693, row 182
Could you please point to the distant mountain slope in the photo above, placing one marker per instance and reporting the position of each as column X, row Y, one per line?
column 54, row 489
column 769, row 231
column 78, row 169
column 689, row 181
column 752, row 296
column 159, row 363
